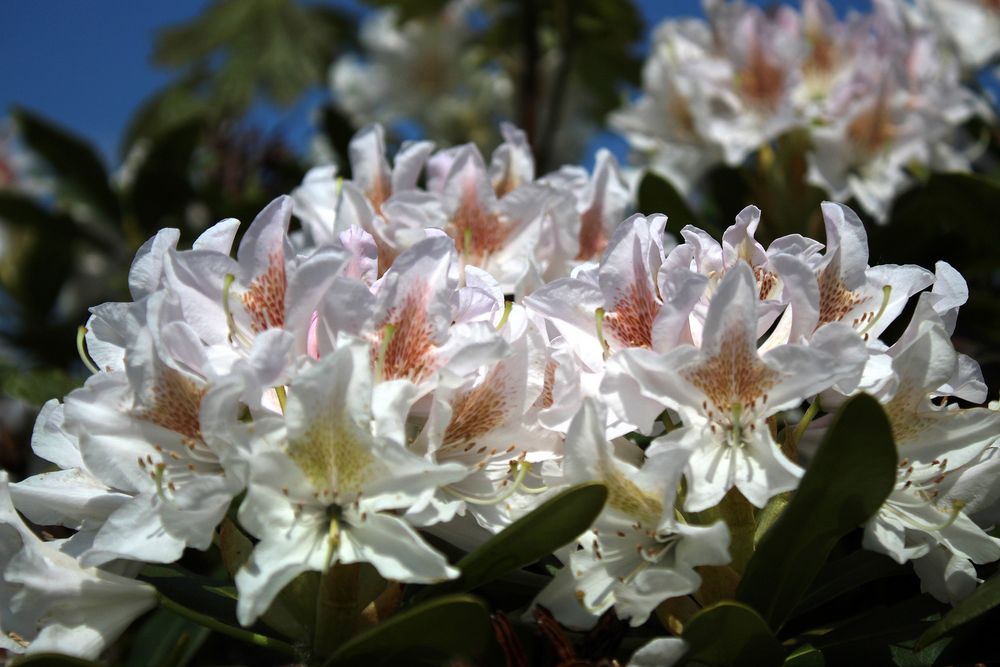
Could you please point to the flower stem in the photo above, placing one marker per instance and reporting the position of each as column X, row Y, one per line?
column 224, row 628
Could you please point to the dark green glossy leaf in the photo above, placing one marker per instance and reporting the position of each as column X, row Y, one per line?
column 81, row 173
column 553, row 524
column 166, row 640
column 985, row 598
column 849, row 573
column 730, row 634
column 53, row 660
column 433, row 633
column 866, row 639
column 851, row 475
column 207, row 596
column 805, row 656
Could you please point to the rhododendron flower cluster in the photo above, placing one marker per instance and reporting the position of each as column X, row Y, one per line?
column 877, row 94
column 419, row 364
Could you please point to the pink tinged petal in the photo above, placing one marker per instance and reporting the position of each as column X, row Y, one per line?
column 363, row 253
column 626, row 278
column 315, row 203
column 266, row 238
column 395, row 549
column 408, row 164
column 270, row 358
column 312, row 342
column 681, row 292
column 346, row 308
column 469, row 347
column 369, row 166
column 219, row 237
column 570, row 306
column 146, row 271
column 197, row 278
column 801, row 290
column 846, row 244
column 739, row 244
column 607, row 197
column 512, row 164
column 306, row 287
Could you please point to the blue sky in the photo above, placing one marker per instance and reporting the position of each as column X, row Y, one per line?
column 86, row 64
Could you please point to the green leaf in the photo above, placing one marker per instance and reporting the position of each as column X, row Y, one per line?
column 767, row 516
column 36, row 386
column 849, row 573
column 866, row 639
column 278, row 48
column 293, row 612
column 433, row 633
column 82, row 174
column 848, row 480
column 985, row 598
column 729, row 634
column 552, row 524
column 53, row 660
column 657, row 195
column 805, row 656
column 166, row 640
column 208, row 596
column 161, row 191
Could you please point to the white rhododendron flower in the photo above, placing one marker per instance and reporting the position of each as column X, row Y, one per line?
column 637, row 554
column 447, row 343
column 50, row 602
column 868, row 97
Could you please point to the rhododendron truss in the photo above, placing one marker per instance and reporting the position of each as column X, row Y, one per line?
column 415, row 393
column 870, row 101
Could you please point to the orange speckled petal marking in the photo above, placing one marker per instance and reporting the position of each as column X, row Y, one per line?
column 734, row 375
column 176, row 405
column 265, row 297
column 409, row 353
column 633, row 316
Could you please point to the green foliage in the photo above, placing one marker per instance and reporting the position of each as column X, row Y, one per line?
column 166, row 640
column 81, row 175
column 432, row 633
column 275, row 48
column 985, row 598
column 37, row 386
column 953, row 217
column 553, row 524
column 851, row 475
column 730, row 634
